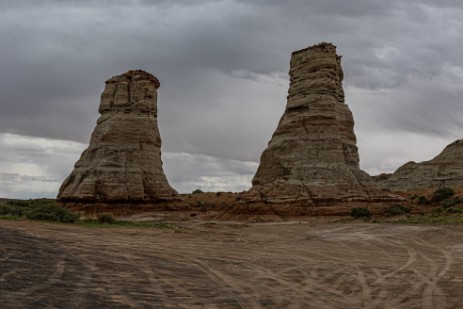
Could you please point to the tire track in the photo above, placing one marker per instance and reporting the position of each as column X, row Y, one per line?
column 228, row 284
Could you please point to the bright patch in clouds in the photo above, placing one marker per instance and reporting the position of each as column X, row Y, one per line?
column 35, row 167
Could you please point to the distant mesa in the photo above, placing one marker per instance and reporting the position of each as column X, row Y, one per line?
column 446, row 169
column 312, row 158
column 122, row 165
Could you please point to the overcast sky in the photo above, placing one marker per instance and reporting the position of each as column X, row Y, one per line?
column 223, row 70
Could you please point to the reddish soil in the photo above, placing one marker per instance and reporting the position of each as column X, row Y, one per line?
column 231, row 265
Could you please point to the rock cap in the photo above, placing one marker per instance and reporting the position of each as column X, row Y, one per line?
column 134, row 75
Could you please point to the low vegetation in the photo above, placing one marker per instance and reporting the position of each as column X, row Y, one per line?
column 396, row 210
column 451, row 202
column 441, row 194
column 47, row 209
column 423, row 200
column 360, row 212
column 42, row 209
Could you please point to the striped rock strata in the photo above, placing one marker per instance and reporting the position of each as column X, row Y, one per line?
column 122, row 164
column 312, row 158
column 446, row 169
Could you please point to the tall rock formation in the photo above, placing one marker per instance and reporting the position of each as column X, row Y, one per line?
column 312, row 158
column 123, row 161
column 446, row 169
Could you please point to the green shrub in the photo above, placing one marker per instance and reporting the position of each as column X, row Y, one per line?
column 423, row 200
column 414, row 197
column 8, row 210
column 360, row 212
column 51, row 212
column 396, row 210
column 451, row 202
column 197, row 191
column 106, row 218
column 438, row 210
column 442, row 194
column 454, row 210
column 18, row 203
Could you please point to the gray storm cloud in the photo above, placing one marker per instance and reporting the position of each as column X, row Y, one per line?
column 223, row 68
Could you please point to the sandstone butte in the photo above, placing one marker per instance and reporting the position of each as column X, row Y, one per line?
column 446, row 169
column 122, row 166
column 312, row 157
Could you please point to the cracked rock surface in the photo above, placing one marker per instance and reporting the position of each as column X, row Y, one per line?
column 312, row 157
column 123, row 161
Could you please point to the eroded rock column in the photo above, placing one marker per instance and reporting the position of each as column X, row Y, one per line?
column 123, row 161
column 312, row 157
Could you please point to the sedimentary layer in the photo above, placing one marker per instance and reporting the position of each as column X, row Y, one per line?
column 122, row 163
column 312, row 157
column 446, row 169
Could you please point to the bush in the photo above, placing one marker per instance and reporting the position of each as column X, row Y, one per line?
column 396, row 210
column 7, row 210
column 451, row 202
column 442, row 194
column 51, row 212
column 18, row 203
column 454, row 210
column 106, row 218
column 360, row 213
column 197, row 191
column 423, row 200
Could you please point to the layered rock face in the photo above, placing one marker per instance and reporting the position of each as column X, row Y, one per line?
column 123, row 161
column 312, row 157
column 444, row 170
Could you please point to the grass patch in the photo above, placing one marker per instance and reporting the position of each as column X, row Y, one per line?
column 48, row 210
column 106, row 218
column 10, row 218
column 41, row 209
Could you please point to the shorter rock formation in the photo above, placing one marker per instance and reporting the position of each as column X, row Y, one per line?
column 312, row 158
column 122, row 165
column 444, row 170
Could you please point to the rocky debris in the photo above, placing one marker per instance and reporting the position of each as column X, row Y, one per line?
column 312, row 158
column 122, row 164
column 444, row 170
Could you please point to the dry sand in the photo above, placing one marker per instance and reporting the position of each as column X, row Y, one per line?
column 231, row 265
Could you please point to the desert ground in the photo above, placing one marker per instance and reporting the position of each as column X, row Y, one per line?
column 295, row 264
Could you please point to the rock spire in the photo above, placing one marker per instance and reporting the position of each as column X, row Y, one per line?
column 312, row 157
column 123, row 161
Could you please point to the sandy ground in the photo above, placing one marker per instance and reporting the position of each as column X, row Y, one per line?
column 231, row 265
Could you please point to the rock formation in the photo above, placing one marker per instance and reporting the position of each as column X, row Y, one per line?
column 444, row 170
column 312, row 158
column 123, row 161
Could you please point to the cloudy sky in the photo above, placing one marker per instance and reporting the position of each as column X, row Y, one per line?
column 223, row 70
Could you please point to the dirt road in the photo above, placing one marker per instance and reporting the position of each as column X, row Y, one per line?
column 276, row 265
